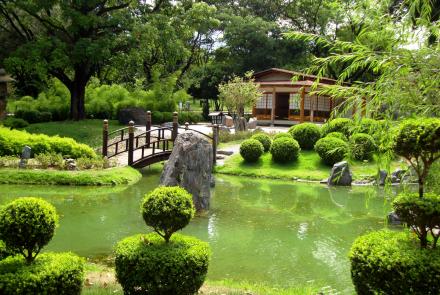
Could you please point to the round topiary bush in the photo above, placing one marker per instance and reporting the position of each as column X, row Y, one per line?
column 27, row 224
column 5, row 251
column 50, row 273
column 343, row 125
column 167, row 210
column 421, row 213
column 147, row 265
column 388, row 262
column 362, row 146
column 307, row 134
column 251, row 150
column 368, row 126
column 337, row 135
column 285, row 150
column 331, row 150
column 282, row 134
column 264, row 139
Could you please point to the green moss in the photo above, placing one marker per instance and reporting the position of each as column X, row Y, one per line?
column 308, row 167
column 112, row 176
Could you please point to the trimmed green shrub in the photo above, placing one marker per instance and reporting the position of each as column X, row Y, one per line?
column 285, row 150
column 251, row 150
column 282, row 134
column 157, row 117
column 343, row 125
column 418, row 141
column 307, row 134
column 362, row 146
column 387, row 262
column 146, row 265
column 167, row 210
column 368, row 126
column 15, row 123
column 337, row 135
column 6, row 251
column 27, row 224
column 13, row 141
column 331, row 150
column 51, row 273
column 264, row 139
column 421, row 214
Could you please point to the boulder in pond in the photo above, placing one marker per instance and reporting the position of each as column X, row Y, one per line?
column 137, row 115
column 394, row 219
column 340, row 174
column 397, row 175
column 190, row 167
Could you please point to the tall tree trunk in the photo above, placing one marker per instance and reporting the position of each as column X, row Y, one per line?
column 77, row 98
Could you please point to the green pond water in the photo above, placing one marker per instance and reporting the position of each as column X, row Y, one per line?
column 264, row 231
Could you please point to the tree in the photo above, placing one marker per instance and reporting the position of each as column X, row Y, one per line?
column 238, row 94
column 69, row 40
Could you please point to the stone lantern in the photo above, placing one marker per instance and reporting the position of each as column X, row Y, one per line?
column 4, row 80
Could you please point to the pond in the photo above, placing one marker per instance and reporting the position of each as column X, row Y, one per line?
column 264, row 231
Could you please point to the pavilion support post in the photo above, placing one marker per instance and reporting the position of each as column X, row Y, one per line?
column 215, row 134
column 105, row 138
column 175, row 126
column 272, row 114
column 130, row 142
column 148, row 128
column 301, row 110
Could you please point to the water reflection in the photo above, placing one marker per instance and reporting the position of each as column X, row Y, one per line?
column 259, row 230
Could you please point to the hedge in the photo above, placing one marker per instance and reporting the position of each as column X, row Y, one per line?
column 50, row 273
column 307, row 134
column 331, row 150
column 111, row 176
column 337, row 135
column 282, row 134
column 388, row 262
column 251, row 150
column 344, row 125
column 145, row 264
column 362, row 146
column 285, row 150
column 13, row 141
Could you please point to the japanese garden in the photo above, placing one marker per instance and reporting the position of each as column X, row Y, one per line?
column 219, row 147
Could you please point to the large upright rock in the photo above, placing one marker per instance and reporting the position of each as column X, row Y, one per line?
column 190, row 167
column 340, row 174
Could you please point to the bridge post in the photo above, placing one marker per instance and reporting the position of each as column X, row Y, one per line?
column 105, row 138
column 175, row 126
column 214, row 142
column 148, row 128
column 130, row 142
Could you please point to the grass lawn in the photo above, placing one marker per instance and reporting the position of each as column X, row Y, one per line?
column 86, row 131
column 307, row 167
column 100, row 280
column 112, row 176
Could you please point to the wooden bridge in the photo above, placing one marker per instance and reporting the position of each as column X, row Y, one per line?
column 153, row 145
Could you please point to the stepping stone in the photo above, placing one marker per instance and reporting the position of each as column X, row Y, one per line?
column 227, row 153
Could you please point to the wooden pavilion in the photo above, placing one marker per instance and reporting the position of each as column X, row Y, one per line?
column 286, row 102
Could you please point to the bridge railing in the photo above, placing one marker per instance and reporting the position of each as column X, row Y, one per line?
column 154, row 138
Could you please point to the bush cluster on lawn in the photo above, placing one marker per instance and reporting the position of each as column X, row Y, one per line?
column 15, row 123
column 13, row 141
column 281, row 134
column 285, row 150
column 306, row 134
column 265, row 140
column 337, row 135
column 344, row 125
column 362, row 146
column 387, row 262
column 163, row 263
column 251, row 150
column 27, row 225
column 331, row 149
